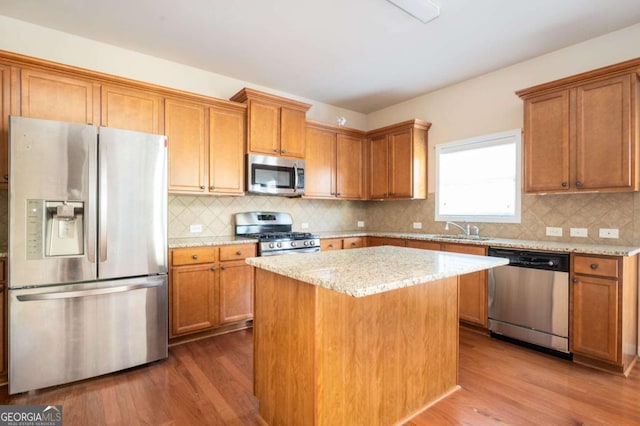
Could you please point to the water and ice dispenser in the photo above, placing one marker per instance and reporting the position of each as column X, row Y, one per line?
column 55, row 228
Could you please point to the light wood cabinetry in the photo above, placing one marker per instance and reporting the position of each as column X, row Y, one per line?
column 9, row 104
column 206, row 147
column 210, row 287
column 424, row 245
column 604, row 328
column 342, row 243
column 132, row 109
column 334, row 162
column 386, row 241
column 275, row 125
column 327, row 244
column 61, row 97
column 397, row 161
column 580, row 133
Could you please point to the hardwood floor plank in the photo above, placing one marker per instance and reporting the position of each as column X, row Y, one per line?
column 210, row 382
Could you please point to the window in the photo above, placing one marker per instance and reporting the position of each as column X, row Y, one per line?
column 478, row 179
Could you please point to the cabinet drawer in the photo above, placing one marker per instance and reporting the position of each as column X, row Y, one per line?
column 354, row 242
column 330, row 244
column 237, row 252
column 603, row 267
column 194, row 255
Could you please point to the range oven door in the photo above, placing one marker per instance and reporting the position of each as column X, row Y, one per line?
column 271, row 175
column 290, row 251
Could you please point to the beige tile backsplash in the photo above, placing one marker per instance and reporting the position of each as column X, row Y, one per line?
column 591, row 211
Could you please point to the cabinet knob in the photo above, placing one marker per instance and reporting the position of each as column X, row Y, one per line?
column 575, row 281
column 275, row 150
column 593, row 266
column 564, row 184
column 330, row 245
column 194, row 257
column 338, row 194
column 579, row 184
column 283, row 151
column 353, row 244
column 213, row 268
column 211, row 188
column 223, row 267
column 238, row 253
column 6, row 177
column 202, row 187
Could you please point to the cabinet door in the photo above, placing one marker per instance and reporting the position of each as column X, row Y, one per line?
column 546, row 143
column 353, row 242
column 56, row 97
column 473, row 302
column 226, row 151
column 193, row 298
column 378, row 167
column 349, row 167
column 131, row 110
column 594, row 325
column 401, row 164
column 384, row 241
column 5, row 111
column 320, row 164
column 264, row 128
column 185, row 125
column 236, row 291
column 3, row 324
column 330, row 244
column 292, row 132
column 424, row 245
column 603, row 134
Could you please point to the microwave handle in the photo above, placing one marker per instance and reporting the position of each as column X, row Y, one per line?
column 295, row 179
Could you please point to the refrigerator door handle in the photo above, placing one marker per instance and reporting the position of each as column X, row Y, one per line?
column 102, row 206
column 90, row 292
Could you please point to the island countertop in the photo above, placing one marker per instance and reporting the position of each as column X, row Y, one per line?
column 366, row 271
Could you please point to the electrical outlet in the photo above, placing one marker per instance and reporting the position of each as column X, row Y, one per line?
column 579, row 232
column 609, row 233
column 361, row 224
column 304, row 225
column 553, row 231
column 417, row 225
column 195, row 228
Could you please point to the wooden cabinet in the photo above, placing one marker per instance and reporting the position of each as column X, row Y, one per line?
column 604, row 311
column 3, row 319
column 275, row 125
column 210, row 287
column 8, row 102
column 386, row 241
column 342, row 243
column 334, row 162
column 60, row 97
column 131, row 109
column 424, row 245
column 206, row 147
column 580, row 133
column 397, row 161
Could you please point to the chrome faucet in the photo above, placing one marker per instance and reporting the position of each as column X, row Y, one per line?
column 466, row 229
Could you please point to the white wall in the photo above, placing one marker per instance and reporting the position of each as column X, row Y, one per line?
column 44, row 43
column 488, row 104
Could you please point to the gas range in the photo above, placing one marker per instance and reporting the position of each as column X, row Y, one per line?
column 273, row 231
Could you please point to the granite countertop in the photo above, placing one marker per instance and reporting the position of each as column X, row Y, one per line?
column 566, row 247
column 366, row 271
column 209, row 241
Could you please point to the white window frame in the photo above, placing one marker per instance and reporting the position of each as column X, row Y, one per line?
column 514, row 135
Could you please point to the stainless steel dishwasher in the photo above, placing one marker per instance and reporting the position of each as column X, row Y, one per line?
column 529, row 299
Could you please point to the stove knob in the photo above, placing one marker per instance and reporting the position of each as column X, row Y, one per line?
column 306, row 243
column 312, row 243
column 293, row 243
column 271, row 245
column 279, row 245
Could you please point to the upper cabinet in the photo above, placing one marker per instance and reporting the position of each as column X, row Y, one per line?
column 275, row 125
column 580, row 132
column 8, row 105
column 206, row 147
column 131, row 109
column 334, row 162
column 397, row 161
column 60, row 97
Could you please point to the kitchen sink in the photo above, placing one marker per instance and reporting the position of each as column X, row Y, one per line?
column 461, row 237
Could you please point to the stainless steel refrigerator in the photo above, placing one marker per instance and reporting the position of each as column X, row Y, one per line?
column 87, row 251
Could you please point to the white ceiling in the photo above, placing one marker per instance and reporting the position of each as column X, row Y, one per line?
column 362, row 55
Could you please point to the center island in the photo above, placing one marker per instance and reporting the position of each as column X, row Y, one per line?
column 357, row 337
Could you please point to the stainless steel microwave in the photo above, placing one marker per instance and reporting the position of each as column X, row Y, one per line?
column 270, row 175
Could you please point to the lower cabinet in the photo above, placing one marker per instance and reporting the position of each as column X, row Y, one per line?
column 3, row 322
column 604, row 311
column 342, row 243
column 385, row 241
column 210, row 287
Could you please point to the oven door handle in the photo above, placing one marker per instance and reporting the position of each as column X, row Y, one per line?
column 295, row 177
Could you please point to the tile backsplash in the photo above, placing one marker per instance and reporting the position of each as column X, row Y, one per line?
column 591, row 211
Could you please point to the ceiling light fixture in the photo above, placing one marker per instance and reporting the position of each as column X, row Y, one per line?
column 423, row 10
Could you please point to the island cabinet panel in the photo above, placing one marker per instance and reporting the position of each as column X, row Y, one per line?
column 60, row 97
column 131, row 109
column 604, row 311
column 581, row 132
column 397, row 161
column 325, row 358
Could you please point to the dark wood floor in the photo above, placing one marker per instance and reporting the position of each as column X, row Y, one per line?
column 209, row 382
